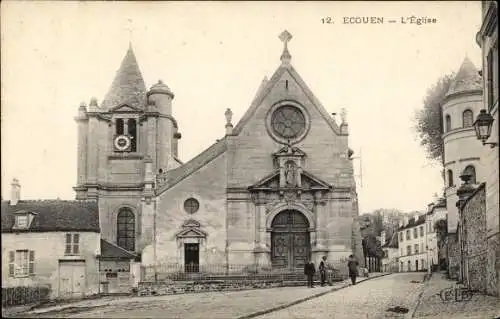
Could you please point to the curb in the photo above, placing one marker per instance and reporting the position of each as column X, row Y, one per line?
column 263, row 312
column 413, row 310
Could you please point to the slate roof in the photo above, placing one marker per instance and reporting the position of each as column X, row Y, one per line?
column 53, row 215
column 128, row 87
column 414, row 222
column 392, row 242
column 467, row 79
column 110, row 250
column 176, row 175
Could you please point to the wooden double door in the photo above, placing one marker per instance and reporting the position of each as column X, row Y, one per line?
column 71, row 279
column 290, row 241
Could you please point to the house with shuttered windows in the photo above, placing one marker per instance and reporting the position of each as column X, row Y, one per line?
column 52, row 243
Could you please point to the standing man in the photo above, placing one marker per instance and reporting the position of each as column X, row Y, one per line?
column 309, row 271
column 352, row 265
column 322, row 270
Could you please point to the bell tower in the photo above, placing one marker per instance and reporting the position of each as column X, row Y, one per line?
column 122, row 144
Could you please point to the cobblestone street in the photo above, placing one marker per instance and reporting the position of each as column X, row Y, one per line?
column 354, row 302
column 432, row 307
column 368, row 300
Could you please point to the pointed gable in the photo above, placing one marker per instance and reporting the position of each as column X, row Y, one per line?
column 309, row 182
column 128, row 86
column 266, row 88
column 466, row 80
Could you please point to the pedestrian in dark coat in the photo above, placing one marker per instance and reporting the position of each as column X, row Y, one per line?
column 352, row 265
column 322, row 270
column 309, row 271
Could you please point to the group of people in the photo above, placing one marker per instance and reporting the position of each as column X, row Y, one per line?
column 325, row 271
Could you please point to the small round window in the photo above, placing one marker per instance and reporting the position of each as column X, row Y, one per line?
column 191, row 205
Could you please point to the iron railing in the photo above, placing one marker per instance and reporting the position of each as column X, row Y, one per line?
column 175, row 272
column 21, row 296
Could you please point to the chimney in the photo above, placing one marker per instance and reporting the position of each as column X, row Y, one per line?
column 405, row 220
column 401, row 223
column 382, row 237
column 16, row 192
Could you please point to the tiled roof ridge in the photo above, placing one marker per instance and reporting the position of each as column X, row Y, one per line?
column 177, row 174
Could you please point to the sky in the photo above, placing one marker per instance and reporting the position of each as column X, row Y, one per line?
column 213, row 56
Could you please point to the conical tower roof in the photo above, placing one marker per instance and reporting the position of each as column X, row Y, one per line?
column 467, row 79
column 128, row 85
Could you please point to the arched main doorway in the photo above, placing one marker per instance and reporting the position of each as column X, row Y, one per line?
column 290, row 244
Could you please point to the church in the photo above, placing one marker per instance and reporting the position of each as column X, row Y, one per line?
column 276, row 191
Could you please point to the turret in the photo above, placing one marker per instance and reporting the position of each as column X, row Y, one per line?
column 160, row 101
column 161, row 96
column 462, row 152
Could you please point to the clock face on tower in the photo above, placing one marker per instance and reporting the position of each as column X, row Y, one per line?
column 122, row 143
column 288, row 122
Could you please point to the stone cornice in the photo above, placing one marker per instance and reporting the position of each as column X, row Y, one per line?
column 148, row 114
column 478, row 92
column 458, row 130
column 490, row 20
column 126, row 156
column 111, row 186
column 469, row 159
column 100, row 116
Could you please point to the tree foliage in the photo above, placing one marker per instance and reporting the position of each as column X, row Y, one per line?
column 428, row 121
column 441, row 227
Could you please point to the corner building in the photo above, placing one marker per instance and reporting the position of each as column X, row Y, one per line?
column 277, row 190
column 462, row 152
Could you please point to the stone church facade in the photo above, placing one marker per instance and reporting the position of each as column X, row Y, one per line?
column 277, row 190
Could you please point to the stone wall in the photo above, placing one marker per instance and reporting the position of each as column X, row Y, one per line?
column 453, row 255
column 493, row 266
column 149, row 288
column 475, row 251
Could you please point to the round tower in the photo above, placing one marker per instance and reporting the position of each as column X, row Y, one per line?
column 160, row 100
column 461, row 104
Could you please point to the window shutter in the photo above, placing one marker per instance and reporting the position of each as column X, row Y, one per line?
column 11, row 263
column 68, row 244
column 32, row 262
column 76, row 243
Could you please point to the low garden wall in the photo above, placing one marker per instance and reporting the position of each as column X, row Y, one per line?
column 172, row 287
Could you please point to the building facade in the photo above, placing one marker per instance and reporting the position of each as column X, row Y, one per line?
column 412, row 244
column 436, row 253
column 461, row 105
column 487, row 39
column 390, row 261
column 51, row 243
column 276, row 190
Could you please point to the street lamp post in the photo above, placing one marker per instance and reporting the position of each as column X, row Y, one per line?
column 482, row 126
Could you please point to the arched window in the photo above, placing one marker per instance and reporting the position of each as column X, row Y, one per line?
column 119, row 127
column 132, row 132
column 448, row 123
column 467, row 118
column 450, row 178
column 125, row 233
column 471, row 170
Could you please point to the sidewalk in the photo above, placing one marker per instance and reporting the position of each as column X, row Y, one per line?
column 265, row 300
column 432, row 307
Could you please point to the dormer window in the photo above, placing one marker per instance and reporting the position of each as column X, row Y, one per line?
column 22, row 221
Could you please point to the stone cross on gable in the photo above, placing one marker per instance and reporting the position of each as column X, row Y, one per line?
column 129, row 28
column 343, row 114
column 285, row 37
